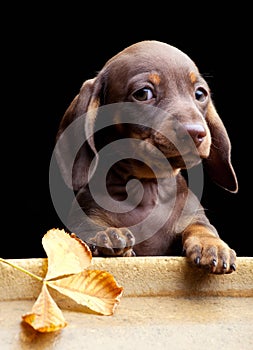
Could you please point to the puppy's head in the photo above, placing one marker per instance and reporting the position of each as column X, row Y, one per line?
column 180, row 119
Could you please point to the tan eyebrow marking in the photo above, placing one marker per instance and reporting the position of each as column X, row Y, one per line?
column 193, row 77
column 154, row 78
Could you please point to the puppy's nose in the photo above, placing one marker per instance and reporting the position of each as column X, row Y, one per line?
column 197, row 132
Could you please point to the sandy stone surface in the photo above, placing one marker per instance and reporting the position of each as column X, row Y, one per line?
column 139, row 323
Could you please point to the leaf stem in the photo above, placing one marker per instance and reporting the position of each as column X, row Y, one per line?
column 21, row 269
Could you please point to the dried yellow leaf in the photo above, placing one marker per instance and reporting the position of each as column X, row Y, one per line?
column 68, row 258
column 94, row 289
column 67, row 254
column 45, row 315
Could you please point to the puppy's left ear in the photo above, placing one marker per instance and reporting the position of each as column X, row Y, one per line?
column 218, row 164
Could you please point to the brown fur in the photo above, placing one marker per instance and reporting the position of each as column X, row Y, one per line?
column 182, row 106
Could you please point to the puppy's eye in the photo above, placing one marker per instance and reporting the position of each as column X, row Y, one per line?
column 201, row 94
column 144, row 94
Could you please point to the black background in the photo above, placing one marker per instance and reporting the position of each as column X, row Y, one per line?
column 47, row 53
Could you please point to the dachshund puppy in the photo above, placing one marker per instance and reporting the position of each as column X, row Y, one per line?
column 126, row 145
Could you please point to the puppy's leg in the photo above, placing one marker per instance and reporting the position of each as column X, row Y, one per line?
column 113, row 242
column 205, row 249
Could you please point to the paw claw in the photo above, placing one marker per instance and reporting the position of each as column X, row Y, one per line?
column 233, row 267
column 214, row 262
column 197, row 260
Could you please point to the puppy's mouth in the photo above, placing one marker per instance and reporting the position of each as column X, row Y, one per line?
column 162, row 165
column 186, row 161
column 188, row 158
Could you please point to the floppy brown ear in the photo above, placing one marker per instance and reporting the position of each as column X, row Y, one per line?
column 218, row 164
column 73, row 155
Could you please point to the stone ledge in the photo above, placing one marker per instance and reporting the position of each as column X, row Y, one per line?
column 140, row 276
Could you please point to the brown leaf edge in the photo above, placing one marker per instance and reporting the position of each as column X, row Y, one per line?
column 45, row 315
column 95, row 289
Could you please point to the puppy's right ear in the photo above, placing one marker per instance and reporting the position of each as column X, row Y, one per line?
column 218, row 165
column 75, row 147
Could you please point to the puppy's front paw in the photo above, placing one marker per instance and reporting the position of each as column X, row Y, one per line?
column 211, row 253
column 113, row 242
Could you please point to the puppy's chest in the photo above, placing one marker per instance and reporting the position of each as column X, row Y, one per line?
column 140, row 199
